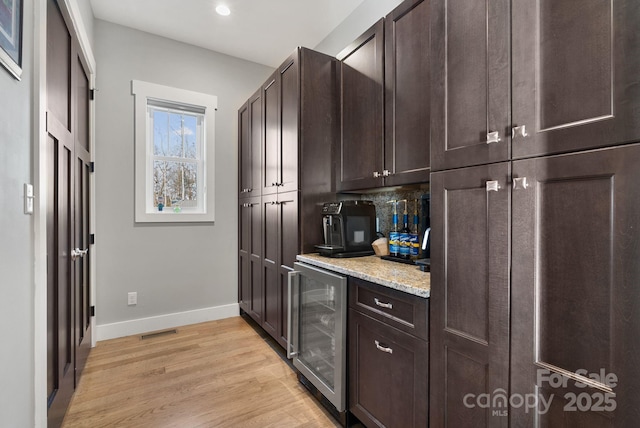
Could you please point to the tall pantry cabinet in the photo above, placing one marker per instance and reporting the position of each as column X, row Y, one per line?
column 535, row 212
column 297, row 127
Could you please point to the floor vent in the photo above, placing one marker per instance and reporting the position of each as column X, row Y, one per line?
column 158, row 333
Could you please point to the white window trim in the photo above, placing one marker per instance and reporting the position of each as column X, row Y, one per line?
column 142, row 91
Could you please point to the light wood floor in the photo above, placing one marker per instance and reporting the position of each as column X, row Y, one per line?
column 215, row 374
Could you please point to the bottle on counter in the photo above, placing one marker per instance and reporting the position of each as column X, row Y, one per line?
column 414, row 248
column 394, row 233
column 405, row 233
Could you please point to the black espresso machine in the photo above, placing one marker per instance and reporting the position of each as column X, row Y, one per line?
column 349, row 228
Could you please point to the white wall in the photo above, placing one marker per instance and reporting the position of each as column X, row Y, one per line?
column 176, row 269
column 363, row 17
column 17, row 405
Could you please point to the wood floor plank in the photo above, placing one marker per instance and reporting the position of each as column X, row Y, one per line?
column 214, row 374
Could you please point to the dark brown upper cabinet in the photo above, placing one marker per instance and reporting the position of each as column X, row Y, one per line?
column 385, row 102
column 281, row 95
column 361, row 153
column 576, row 83
column 250, row 146
column 271, row 135
column 407, row 105
column 470, row 83
column 520, row 79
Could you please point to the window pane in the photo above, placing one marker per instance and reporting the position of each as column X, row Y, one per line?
column 175, row 134
column 160, row 135
column 175, row 183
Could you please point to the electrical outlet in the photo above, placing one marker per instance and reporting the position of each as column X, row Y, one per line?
column 132, row 298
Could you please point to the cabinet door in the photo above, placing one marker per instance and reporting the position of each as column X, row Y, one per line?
column 388, row 372
column 255, row 135
column 244, row 255
column 288, row 248
column 255, row 258
column 575, row 75
column 244, row 152
column 289, row 124
column 407, row 139
column 362, row 94
column 270, row 263
column 469, row 306
column 576, row 299
column 271, row 146
column 470, row 92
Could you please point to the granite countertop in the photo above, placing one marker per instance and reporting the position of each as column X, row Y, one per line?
column 407, row 278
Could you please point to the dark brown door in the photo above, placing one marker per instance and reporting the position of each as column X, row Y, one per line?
column 271, row 132
column 82, row 214
column 289, row 124
column 407, row 103
column 469, row 306
column 255, row 136
column 68, row 202
column 470, row 82
column 244, row 254
column 254, row 274
column 288, row 248
column 362, row 96
column 270, row 217
column 575, row 295
column 244, row 152
column 388, row 374
column 575, row 75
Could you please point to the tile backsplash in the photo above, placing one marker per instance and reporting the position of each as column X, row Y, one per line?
column 384, row 209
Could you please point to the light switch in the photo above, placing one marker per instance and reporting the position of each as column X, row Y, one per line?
column 28, row 198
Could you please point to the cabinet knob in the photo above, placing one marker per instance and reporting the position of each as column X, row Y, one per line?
column 493, row 186
column 273, row 184
column 386, row 173
column 383, row 348
column 519, row 131
column 521, row 183
column 493, row 137
column 376, row 174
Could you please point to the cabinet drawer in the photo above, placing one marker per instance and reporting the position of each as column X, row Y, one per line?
column 404, row 311
column 388, row 372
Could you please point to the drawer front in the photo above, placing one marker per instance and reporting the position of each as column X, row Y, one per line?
column 404, row 311
column 388, row 372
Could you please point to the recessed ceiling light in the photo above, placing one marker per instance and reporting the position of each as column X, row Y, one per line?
column 223, row 10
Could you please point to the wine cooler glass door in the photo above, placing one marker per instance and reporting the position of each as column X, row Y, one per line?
column 321, row 303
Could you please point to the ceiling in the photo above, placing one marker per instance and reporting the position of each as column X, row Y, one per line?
column 262, row 31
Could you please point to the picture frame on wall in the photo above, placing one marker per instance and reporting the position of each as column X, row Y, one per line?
column 11, row 36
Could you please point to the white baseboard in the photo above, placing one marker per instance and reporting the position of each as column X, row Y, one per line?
column 161, row 322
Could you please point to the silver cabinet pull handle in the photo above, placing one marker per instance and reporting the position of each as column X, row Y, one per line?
column 376, row 174
column 519, row 131
column 493, row 137
column 493, row 186
column 77, row 252
column 386, row 173
column 521, row 183
column 383, row 348
column 382, row 304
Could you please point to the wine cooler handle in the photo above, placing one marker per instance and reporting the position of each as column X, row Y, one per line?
column 293, row 289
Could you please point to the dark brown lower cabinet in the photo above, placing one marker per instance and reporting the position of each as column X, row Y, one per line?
column 388, row 368
column 250, row 257
column 280, row 247
column 469, row 303
column 576, row 289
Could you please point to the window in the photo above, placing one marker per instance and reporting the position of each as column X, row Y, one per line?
column 174, row 136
